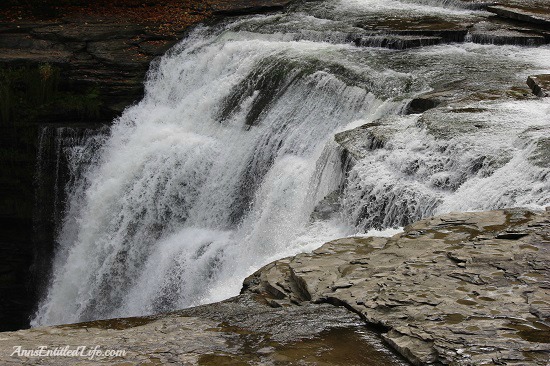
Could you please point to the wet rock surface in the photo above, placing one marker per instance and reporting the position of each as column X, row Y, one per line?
column 240, row 331
column 540, row 84
column 523, row 12
column 500, row 33
column 243, row 7
column 357, row 143
column 513, row 23
column 462, row 288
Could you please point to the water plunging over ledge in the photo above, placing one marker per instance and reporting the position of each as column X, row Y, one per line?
column 218, row 169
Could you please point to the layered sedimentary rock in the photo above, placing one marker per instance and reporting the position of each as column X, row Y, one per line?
column 469, row 288
column 240, row 331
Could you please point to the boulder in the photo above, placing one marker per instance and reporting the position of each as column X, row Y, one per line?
column 357, row 142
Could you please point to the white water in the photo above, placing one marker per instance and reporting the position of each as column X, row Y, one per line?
column 217, row 171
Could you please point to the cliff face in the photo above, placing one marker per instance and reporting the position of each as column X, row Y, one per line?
column 69, row 66
column 462, row 288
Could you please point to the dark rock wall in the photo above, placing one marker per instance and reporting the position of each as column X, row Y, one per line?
column 53, row 74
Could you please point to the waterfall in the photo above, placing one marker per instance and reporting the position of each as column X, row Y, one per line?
column 64, row 155
column 218, row 169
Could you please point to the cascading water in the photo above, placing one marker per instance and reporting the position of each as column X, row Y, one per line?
column 64, row 156
column 218, row 169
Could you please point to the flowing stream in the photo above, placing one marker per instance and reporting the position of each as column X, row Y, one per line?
column 217, row 171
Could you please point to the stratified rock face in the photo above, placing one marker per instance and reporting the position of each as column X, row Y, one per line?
column 501, row 32
column 468, row 288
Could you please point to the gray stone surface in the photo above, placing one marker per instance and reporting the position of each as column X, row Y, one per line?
column 240, row 331
column 461, row 289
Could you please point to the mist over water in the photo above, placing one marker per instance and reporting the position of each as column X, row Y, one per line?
column 217, row 171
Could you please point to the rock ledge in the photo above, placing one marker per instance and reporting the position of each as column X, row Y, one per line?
column 461, row 289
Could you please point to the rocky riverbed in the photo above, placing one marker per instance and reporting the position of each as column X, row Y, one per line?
column 461, row 289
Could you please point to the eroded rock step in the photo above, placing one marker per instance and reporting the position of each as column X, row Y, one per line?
column 540, row 84
column 539, row 16
column 501, row 33
column 528, row 28
column 397, row 42
column 244, row 7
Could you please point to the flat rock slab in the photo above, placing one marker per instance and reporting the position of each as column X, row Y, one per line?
column 243, row 7
column 447, row 31
column 236, row 332
column 487, row 32
column 460, row 289
column 530, row 15
column 540, row 84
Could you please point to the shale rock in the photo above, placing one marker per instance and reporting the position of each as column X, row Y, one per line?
column 538, row 16
column 501, row 34
column 240, row 331
column 243, row 7
column 461, row 289
column 539, row 84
